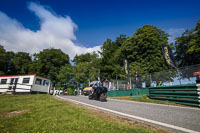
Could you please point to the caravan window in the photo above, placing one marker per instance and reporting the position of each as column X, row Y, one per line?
column 46, row 83
column 38, row 81
column 26, row 80
column 3, row 81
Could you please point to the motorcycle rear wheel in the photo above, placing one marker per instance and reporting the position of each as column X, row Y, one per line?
column 102, row 97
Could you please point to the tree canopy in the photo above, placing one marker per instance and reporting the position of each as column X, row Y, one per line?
column 48, row 63
column 142, row 50
column 2, row 60
column 111, row 58
column 66, row 76
column 21, row 61
column 87, row 67
column 188, row 47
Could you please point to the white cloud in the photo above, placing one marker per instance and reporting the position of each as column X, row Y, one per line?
column 55, row 31
column 174, row 33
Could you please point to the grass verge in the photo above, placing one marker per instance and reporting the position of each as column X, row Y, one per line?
column 44, row 113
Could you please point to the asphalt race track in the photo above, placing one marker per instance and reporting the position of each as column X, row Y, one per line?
column 183, row 119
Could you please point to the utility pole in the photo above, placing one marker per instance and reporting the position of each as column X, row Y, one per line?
column 99, row 79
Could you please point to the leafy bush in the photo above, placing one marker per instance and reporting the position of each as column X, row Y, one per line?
column 69, row 91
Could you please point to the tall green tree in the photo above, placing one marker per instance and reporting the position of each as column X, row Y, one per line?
column 21, row 62
column 3, row 61
column 82, row 58
column 87, row 67
column 48, row 63
column 36, row 67
column 94, row 66
column 10, row 68
column 112, row 59
column 188, row 47
column 143, row 50
column 66, row 76
column 82, row 73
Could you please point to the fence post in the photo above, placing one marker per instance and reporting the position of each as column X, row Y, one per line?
column 179, row 76
column 150, row 79
column 117, row 85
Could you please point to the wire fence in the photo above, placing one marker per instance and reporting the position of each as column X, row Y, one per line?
column 178, row 76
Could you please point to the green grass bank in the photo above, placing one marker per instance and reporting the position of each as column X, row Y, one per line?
column 45, row 114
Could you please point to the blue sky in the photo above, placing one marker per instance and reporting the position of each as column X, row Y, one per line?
column 93, row 21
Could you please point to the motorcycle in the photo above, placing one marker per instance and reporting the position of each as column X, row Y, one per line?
column 98, row 93
column 75, row 92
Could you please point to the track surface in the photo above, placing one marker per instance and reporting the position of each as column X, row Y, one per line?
column 185, row 117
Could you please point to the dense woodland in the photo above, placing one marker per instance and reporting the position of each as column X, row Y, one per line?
column 142, row 50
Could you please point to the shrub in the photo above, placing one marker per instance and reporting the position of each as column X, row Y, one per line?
column 69, row 91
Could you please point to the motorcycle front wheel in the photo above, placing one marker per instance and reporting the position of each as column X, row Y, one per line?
column 90, row 97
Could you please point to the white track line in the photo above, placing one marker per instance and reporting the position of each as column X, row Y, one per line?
column 134, row 117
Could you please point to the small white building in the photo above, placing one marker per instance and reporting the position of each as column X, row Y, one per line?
column 25, row 84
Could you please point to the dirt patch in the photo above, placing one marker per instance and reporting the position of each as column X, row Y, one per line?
column 15, row 113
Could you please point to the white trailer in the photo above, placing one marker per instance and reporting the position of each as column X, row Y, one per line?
column 25, row 84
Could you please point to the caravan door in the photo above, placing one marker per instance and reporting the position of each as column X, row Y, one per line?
column 13, row 83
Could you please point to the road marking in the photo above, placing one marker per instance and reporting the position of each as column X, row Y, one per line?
column 134, row 117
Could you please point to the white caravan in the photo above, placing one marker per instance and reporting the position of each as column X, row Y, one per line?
column 25, row 84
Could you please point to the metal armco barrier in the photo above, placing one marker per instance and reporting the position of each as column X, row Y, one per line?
column 131, row 92
column 119, row 93
column 180, row 94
